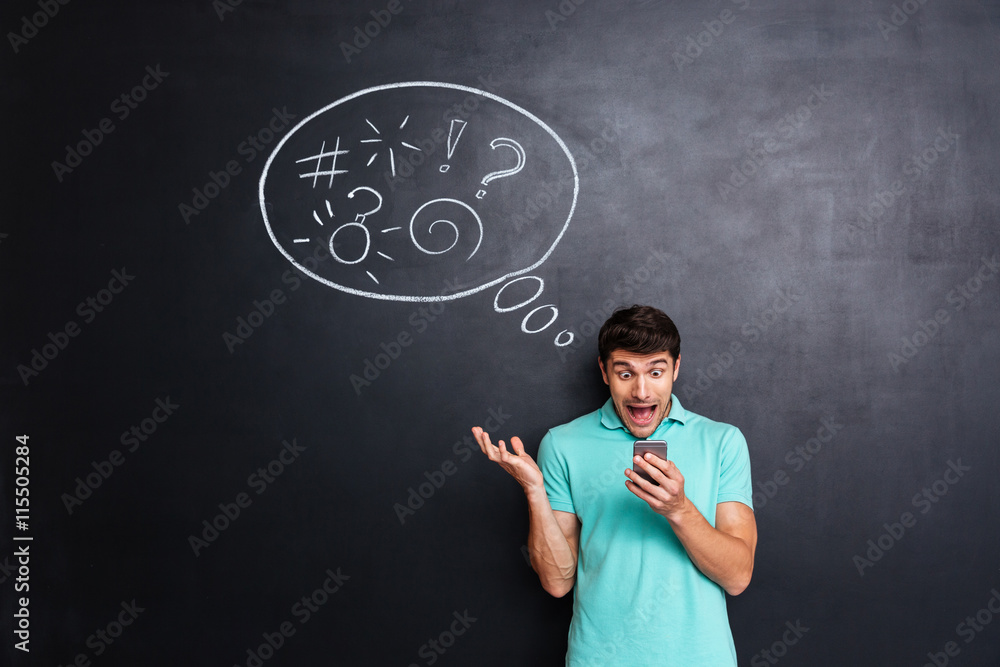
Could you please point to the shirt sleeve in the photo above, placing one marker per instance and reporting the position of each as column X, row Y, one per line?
column 552, row 463
column 735, row 483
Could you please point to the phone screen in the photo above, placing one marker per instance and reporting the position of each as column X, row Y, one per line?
column 656, row 447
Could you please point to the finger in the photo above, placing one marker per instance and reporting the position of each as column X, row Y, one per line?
column 637, row 485
column 505, row 456
column 517, row 445
column 637, row 479
column 662, row 464
column 663, row 489
column 478, row 434
column 670, row 471
column 659, row 490
column 488, row 448
column 649, row 468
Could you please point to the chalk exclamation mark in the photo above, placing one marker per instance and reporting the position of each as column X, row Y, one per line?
column 453, row 138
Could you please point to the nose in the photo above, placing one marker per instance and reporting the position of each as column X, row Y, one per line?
column 639, row 387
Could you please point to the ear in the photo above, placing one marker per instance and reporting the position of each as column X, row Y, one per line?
column 604, row 373
column 677, row 367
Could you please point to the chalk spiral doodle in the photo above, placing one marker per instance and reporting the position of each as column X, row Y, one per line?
column 448, row 223
column 393, row 181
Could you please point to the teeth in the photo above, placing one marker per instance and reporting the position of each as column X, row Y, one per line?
column 641, row 413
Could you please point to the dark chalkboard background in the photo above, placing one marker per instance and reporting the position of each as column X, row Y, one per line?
column 808, row 188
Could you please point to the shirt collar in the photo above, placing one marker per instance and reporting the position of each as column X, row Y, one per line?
column 611, row 420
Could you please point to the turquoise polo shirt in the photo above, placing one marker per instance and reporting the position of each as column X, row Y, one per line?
column 638, row 598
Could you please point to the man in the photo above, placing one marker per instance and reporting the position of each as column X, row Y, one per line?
column 651, row 563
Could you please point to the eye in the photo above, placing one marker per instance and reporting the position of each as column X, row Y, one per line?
column 625, row 375
column 656, row 372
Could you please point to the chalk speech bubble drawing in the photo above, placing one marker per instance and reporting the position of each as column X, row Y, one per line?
column 420, row 191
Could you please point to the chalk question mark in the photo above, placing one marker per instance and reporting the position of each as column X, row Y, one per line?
column 362, row 216
column 503, row 173
column 358, row 224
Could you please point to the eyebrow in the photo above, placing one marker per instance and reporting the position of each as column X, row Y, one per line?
column 655, row 362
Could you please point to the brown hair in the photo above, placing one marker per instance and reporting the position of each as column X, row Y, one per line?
column 641, row 330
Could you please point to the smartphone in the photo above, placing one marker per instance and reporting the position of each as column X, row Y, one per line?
column 656, row 447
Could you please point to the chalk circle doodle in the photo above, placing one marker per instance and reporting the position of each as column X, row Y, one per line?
column 420, row 185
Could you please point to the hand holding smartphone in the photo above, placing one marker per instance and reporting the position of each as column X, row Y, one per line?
column 655, row 447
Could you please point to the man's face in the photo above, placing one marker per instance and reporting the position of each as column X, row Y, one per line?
column 640, row 388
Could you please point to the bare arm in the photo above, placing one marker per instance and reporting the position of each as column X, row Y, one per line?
column 553, row 542
column 724, row 553
column 553, row 536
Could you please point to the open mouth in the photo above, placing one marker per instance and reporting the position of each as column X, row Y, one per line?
column 642, row 415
